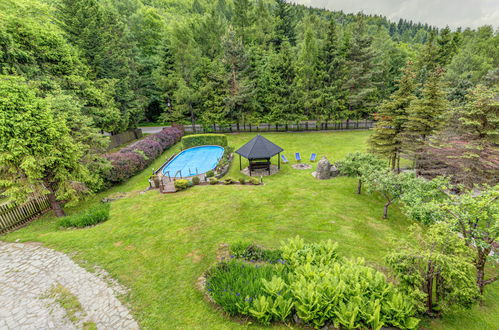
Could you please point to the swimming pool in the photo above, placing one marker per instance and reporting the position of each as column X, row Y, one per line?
column 194, row 161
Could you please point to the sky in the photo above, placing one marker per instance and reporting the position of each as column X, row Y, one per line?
column 440, row 13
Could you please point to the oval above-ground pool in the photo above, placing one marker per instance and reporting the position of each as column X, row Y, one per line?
column 192, row 161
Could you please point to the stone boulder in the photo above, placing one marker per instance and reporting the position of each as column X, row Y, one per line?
column 323, row 171
column 334, row 171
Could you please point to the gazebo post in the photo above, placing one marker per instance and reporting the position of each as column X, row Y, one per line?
column 240, row 164
column 279, row 161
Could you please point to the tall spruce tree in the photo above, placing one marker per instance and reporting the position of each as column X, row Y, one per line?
column 334, row 75
column 425, row 116
column 285, row 25
column 235, row 59
column 392, row 118
column 362, row 68
column 307, row 82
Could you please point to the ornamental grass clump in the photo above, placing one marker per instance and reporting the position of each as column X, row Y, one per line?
column 314, row 284
column 234, row 283
column 90, row 217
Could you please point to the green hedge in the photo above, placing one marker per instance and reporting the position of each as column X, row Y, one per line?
column 190, row 141
column 90, row 217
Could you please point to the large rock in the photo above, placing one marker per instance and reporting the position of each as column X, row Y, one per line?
column 334, row 171
column 323, row 171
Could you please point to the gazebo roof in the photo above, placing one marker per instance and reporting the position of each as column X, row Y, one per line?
column 259, row 148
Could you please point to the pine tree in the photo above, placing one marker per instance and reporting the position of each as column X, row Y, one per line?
column 392, row 117
column 425, row 116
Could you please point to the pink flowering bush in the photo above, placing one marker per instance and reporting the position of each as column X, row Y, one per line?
column 134, row 158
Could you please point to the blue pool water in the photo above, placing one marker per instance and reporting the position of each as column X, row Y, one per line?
column 204, row 158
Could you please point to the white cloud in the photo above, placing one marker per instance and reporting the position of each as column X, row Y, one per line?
column 454, row 13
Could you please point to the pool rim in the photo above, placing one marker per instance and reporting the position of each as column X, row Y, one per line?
column 172, row 158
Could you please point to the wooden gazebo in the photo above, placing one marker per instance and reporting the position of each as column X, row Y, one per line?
column 259, row 151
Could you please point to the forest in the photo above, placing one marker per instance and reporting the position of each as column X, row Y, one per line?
column 121, row 63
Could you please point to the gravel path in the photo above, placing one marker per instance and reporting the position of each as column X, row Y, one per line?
column 28, row 272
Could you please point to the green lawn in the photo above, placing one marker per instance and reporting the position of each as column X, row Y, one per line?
column 158, row 245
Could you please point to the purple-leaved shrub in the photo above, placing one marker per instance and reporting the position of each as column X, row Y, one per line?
column 134, row 158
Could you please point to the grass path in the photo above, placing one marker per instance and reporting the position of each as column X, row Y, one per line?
column 158, row 245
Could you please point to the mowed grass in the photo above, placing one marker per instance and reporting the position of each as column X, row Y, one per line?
column 158, row 245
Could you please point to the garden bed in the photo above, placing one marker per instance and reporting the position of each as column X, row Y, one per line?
column 307, row 284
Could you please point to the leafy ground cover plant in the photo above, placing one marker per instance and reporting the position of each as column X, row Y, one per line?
column 313, row 283
column 90, row 217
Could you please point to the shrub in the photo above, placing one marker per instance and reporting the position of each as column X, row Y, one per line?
column 210, row 174
column 196, row 180
column 229, row 181
column 149, row 146
column 181, row 184
column 124, row 165
column 252, row 252
column 90, row 217
column 213, row 181
column 254, row 181
column 134, row 158
column 242, row 180
column 190, row 141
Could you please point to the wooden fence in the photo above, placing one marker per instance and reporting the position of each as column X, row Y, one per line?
column 125, row 137
column 290, row 127
column 12, row 217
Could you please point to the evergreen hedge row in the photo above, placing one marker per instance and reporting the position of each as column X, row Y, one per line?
column 195, row 140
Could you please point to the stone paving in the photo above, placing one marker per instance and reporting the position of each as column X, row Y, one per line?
column 27, row 274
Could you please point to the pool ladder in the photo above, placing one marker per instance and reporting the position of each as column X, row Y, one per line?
column 180, row 172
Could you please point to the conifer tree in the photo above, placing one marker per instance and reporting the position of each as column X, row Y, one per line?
column 392, row 117
column 242, row 18
column 334, row 71
column 285, row 26
column 308, row 73
column 360, row 85
column 425, row 116
column 240, row 91
column 37, row 152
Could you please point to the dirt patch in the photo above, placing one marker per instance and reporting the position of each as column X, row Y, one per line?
column 118, row 244
column 195, row 256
